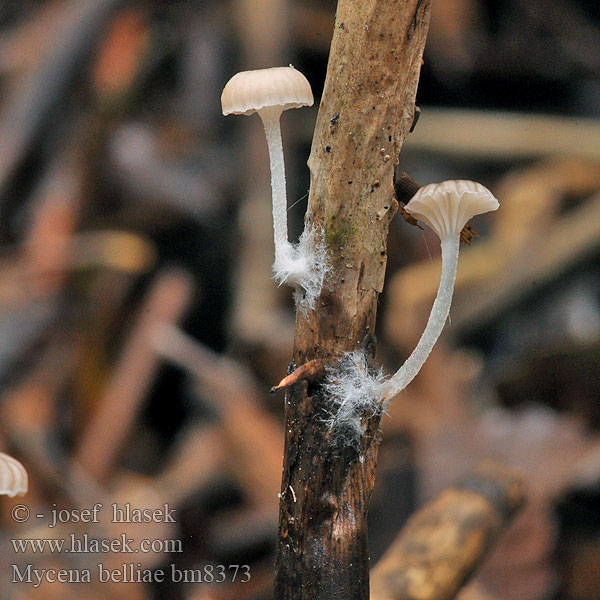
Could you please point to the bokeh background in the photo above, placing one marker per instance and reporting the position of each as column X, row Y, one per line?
column 140, row 329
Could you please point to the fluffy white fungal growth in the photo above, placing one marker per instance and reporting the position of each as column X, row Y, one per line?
column 445, row 207
column 355, row 395
column 304, row 266
column 269, row 92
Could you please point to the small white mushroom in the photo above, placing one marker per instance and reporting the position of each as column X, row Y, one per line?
column 269, row 92
column 13, row 476
column 446, row 207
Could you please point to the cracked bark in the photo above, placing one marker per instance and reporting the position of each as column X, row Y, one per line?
column 366, row 112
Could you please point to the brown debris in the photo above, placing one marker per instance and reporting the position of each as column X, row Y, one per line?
column 311, row 371
column 409, row 218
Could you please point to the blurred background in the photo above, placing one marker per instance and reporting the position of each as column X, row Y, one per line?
column 140, row 331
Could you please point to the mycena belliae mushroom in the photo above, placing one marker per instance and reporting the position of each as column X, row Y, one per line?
column 446, row 207
column 269, row 92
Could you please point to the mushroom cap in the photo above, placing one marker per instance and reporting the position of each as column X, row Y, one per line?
column 248, row 92
column 13, row 476
column 447, row 207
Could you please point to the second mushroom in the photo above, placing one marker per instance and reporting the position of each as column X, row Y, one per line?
column 446, row 207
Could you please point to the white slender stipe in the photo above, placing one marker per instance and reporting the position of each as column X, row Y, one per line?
column 270, row 119
column 446, row 207
column 437, row 319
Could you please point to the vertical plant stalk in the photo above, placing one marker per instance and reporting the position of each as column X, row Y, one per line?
column 366, row 112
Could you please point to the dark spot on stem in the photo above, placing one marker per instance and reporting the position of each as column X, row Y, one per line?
column 415, row 19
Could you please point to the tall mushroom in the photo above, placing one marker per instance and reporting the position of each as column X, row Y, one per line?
column 269, row 92
column 446, row 207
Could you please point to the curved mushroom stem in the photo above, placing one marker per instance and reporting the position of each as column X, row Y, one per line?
column 435, row 324
column 270, row 118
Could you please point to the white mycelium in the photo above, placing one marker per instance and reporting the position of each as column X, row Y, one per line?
column 446, row 207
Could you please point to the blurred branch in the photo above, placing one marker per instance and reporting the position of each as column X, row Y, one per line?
column 486, row 134
column 149, row 179
column 572, row 238
column 443, row 543
column 28, row 111
column 254, row 436
column 105, row 434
